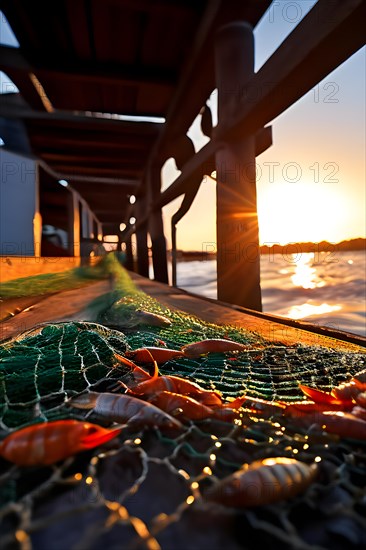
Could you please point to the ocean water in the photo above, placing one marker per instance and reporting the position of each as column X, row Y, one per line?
column 325, row 288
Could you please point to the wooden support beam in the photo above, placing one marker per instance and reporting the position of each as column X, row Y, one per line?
column 129, row 263
column 74, row 225
column 203, row 163
column 238, row 271
column 141, row 239
column 156, row 228
column 189, row 197
column 11, row 107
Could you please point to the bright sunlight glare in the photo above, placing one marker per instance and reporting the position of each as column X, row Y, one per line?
column 306, row 211
column 306, row 309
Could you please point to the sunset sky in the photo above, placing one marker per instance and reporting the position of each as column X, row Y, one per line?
column 311, row 182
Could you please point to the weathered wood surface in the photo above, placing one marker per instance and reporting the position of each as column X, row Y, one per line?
column 63, row 306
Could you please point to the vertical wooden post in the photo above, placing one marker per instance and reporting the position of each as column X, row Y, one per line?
column 156, row 228
column 74, row 225
column 141, row 240
column 129, row 254
column 238, row 269
column 37, row 218
column 174, row 253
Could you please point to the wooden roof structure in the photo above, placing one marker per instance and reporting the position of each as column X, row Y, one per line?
column 81, row 64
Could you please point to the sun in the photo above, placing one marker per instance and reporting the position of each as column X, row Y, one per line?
column 299, row 212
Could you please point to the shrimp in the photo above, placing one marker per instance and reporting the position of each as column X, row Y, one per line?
column 263, row 482
column 175, row 403
column 212, row 346
column 147, row 385
column 124, row 408
column 47, row 443
column 176, row 384
column 148, row 355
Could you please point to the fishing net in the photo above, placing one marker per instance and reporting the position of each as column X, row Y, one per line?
column 146, row 488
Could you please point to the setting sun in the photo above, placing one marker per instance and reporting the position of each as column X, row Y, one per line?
column 301, row 211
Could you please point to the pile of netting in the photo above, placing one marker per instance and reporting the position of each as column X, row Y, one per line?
column 146, row 488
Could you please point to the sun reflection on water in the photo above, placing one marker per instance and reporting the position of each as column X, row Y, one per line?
column 305, row 310
column 305, row 273
column 305, row 276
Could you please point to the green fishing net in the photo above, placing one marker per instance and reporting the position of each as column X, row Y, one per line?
column 146, row 488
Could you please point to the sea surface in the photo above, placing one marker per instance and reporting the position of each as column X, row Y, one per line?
column 325, row 288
